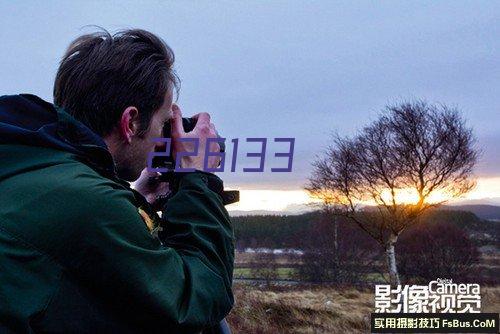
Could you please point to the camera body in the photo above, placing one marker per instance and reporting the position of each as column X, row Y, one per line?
column 168, row 162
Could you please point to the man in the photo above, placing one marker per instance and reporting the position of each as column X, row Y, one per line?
column 79, row 249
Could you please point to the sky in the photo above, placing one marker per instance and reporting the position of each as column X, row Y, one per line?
column 288, row 69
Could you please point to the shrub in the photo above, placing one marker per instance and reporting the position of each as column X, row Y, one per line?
column 438, row 250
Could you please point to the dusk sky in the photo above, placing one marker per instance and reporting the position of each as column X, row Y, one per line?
column 288, row 69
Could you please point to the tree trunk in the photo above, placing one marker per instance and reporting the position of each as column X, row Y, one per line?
column 336, row 238
column 337, row 275
column 391, row 260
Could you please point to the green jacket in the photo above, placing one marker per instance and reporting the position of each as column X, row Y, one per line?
column 77, row 256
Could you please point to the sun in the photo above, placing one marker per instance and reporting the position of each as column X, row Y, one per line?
column 410, row 196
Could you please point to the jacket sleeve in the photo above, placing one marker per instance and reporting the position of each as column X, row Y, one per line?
column 183, row 285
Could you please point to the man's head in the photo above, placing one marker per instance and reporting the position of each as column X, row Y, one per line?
column 121, row 86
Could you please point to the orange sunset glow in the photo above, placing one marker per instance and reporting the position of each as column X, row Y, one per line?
column 288, row 200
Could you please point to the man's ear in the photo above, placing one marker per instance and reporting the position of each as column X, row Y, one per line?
column 129, row 123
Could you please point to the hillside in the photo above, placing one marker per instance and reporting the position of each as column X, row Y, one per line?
column 483, row 211
column 490, row 212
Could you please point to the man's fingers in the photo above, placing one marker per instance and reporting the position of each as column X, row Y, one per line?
column 202, row 118
column 146, row 173
column 176, row 121
column 213, row 129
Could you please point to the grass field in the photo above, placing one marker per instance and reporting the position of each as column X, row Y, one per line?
column 281, row 273
column 319, row 308
column 303, row 309
column 286, row 273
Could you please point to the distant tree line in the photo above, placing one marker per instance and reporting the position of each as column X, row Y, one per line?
column 438, row 245
column 298, row 231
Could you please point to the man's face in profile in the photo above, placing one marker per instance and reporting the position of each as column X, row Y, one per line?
column 133, row 158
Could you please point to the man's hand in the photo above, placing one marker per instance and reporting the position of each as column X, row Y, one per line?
column 150, row 186
column 202, row 131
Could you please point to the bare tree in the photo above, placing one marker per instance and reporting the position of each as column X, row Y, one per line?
column 349, row 262
column 415, row 148
column 329, row 209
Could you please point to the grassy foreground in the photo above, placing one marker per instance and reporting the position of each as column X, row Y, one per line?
column 313, row 309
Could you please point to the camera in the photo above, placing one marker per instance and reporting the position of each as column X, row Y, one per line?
column 168, row 162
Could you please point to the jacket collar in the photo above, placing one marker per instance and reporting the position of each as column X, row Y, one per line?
column 92, row 147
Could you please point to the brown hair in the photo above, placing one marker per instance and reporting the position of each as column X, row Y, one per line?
column 102, row 74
